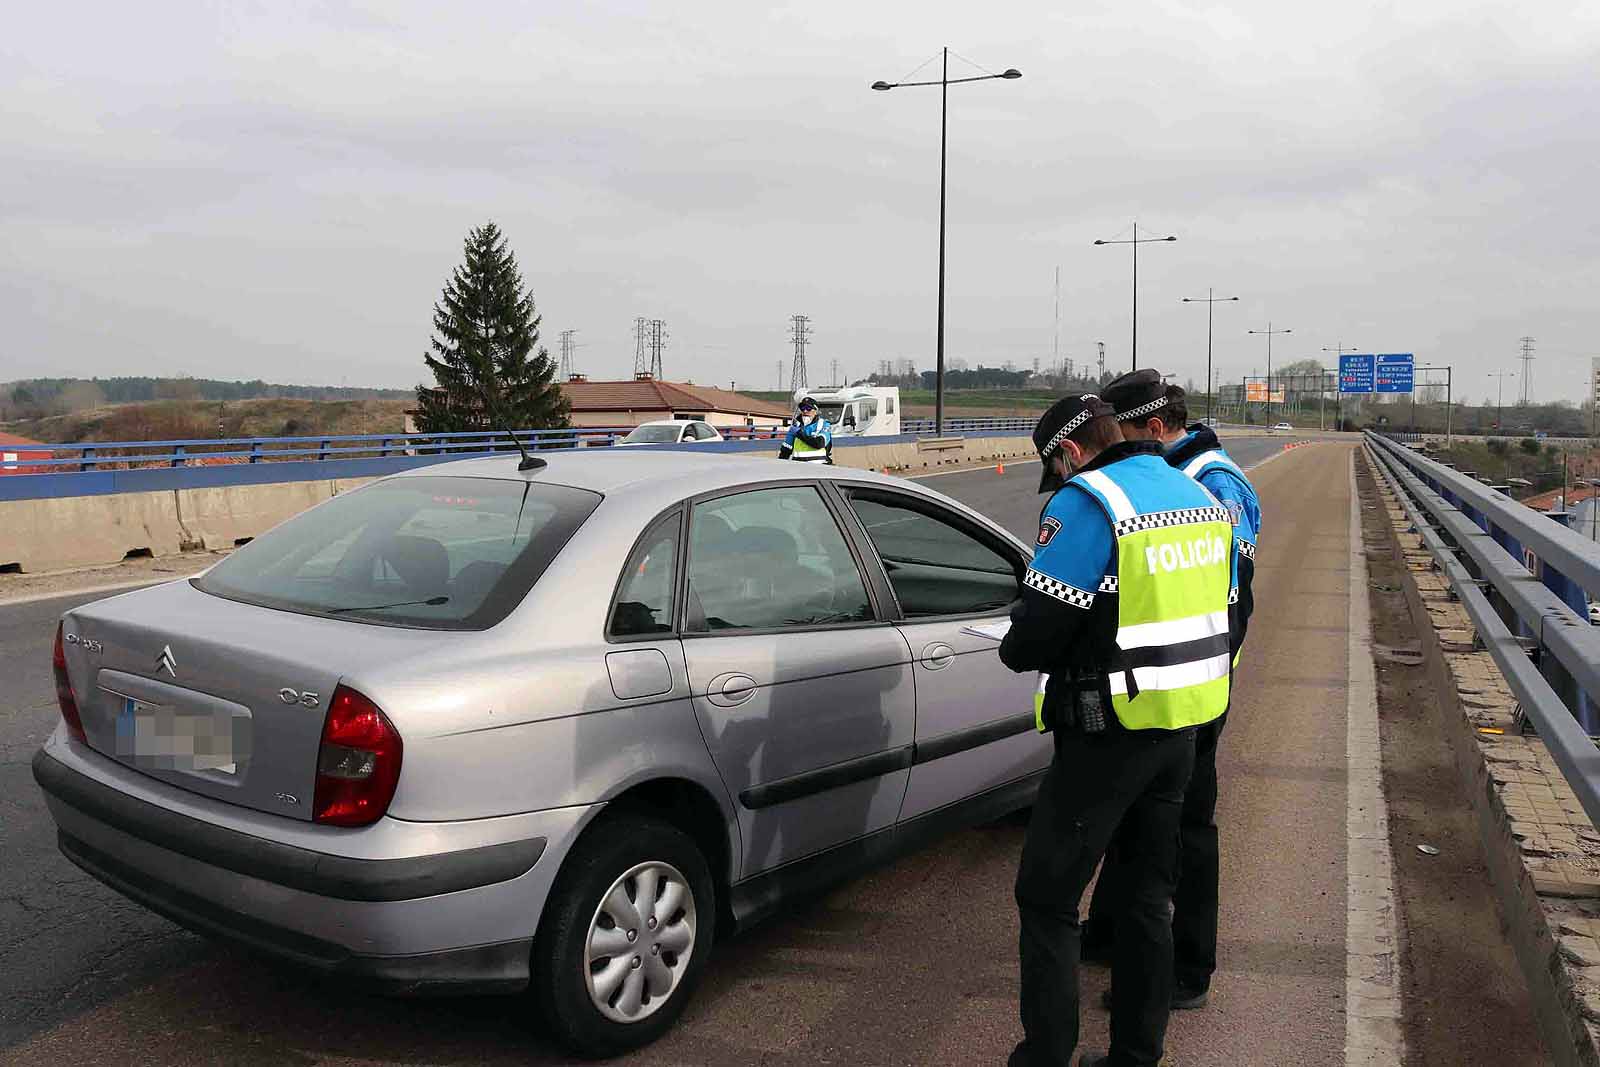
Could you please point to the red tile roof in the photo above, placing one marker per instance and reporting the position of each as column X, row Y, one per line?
column 10, row 439
column 652, row 395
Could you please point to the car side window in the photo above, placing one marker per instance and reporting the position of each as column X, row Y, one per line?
column 768, row 559
column 644, row 595
column 934, row 566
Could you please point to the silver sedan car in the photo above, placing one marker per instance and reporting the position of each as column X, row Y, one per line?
column 477, row 728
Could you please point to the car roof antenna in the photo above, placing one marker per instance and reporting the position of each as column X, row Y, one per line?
column 529, row 462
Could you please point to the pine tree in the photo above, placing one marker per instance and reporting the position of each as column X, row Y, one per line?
column 486, row 340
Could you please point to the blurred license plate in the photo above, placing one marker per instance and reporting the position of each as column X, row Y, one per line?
column 172, row 739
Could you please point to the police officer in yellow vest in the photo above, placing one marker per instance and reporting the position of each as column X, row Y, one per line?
column 810, row 437
column 1125, row 610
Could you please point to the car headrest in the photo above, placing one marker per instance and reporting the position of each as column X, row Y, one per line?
column 421, row 562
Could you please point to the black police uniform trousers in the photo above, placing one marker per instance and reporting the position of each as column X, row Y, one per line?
column 1195, row 901
column 1098, row 783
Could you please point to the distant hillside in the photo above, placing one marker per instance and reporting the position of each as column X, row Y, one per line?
column 33, row 398
column 178, row 420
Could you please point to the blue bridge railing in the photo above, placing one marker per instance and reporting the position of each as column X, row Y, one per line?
column 86, row 468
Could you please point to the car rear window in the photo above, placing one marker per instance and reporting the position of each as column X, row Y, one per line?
column 431, row 552
column 653, row 435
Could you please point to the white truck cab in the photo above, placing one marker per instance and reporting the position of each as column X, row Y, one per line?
column 858, row 410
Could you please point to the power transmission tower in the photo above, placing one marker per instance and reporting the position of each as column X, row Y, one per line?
column 658, row 341
column 780, row 375
column 566, row 354
column 799, row 333
column 1102, row 345
column 1527, row 358
column 641, row 365
column 833, row 377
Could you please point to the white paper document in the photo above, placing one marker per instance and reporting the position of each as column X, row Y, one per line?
column 994, row 631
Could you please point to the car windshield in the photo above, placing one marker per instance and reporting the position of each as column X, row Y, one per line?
column 652, row 435
column 434, row 552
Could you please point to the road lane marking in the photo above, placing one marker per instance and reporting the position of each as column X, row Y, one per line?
column 1372, row 1033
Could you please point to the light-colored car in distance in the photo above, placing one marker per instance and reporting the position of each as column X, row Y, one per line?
column 472, row 728
column 671, row 432
column 1282, row 427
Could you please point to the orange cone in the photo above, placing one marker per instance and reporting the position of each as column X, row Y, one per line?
column 1000, row 468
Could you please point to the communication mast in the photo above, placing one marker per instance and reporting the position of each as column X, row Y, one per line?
column 799, row 333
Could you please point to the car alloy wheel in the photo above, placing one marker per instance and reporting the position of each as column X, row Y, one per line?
column 641, row 939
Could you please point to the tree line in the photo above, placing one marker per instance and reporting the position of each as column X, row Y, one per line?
column 34, row 398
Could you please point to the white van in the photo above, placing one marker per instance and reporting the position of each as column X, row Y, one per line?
column 858, row 410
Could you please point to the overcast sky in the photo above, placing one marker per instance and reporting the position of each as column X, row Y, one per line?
column 279, row 190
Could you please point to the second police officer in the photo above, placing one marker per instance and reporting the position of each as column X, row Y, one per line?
column 1150, row 410
column 1125, row 609
column 810, row 436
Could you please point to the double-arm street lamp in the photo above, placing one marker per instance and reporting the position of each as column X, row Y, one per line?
column 1269, row 331
column 1136, row 241
column 1208, row 300
column 1499, row 398
column 944, row 83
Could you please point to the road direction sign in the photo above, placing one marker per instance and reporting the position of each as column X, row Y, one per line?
column 1356, row 373
column 1393, row 372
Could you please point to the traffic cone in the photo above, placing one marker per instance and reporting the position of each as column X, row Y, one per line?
column 1000, row 468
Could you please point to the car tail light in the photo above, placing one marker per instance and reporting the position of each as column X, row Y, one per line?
column 64, row 695
column 358, row 765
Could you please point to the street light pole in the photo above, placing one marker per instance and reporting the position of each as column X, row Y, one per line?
column 1269, row 331
column 1499, row 397
column 944, row 83
column 1209, row 302
column 1136, row 241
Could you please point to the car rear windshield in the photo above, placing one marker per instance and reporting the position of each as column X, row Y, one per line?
column 653, row 434
column 432, row 552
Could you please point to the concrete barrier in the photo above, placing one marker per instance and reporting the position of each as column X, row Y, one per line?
column 59, row 533
column 54, row 534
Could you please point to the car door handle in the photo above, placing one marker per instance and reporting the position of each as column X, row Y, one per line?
column 938, row 656
column 730, row 690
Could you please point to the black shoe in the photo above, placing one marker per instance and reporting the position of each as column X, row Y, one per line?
column 1183, row 998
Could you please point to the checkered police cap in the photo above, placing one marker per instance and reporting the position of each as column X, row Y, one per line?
column 1065, row 416
column 1136, row 394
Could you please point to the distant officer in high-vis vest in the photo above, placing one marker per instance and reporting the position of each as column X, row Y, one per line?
column 810, row 436
column 1149, row 409
column 1125, row 609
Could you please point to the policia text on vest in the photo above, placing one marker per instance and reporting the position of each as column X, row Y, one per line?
column 1126, row 603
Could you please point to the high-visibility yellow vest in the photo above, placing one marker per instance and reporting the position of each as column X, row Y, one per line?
column 1174, row 561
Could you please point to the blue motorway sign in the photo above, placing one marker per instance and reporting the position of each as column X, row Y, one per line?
column 1356, row 373
column 1393, row 373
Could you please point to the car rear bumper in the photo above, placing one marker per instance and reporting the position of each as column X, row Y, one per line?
column 457, row 915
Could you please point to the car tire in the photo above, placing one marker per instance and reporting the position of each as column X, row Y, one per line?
column 602, row 1006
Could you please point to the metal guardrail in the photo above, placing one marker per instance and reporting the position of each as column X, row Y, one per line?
column 1524, row 580
column 125, row 455
column 93, row 468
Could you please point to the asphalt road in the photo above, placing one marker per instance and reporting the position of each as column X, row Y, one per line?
column 912, row 964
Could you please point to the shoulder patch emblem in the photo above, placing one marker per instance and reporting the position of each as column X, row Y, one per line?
column 1048, row 529
column 1235, row 510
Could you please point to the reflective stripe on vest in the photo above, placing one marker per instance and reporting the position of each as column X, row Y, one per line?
column 1214, row 458
column 808, row 453
column 1174, row 576
column 1038, row 703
